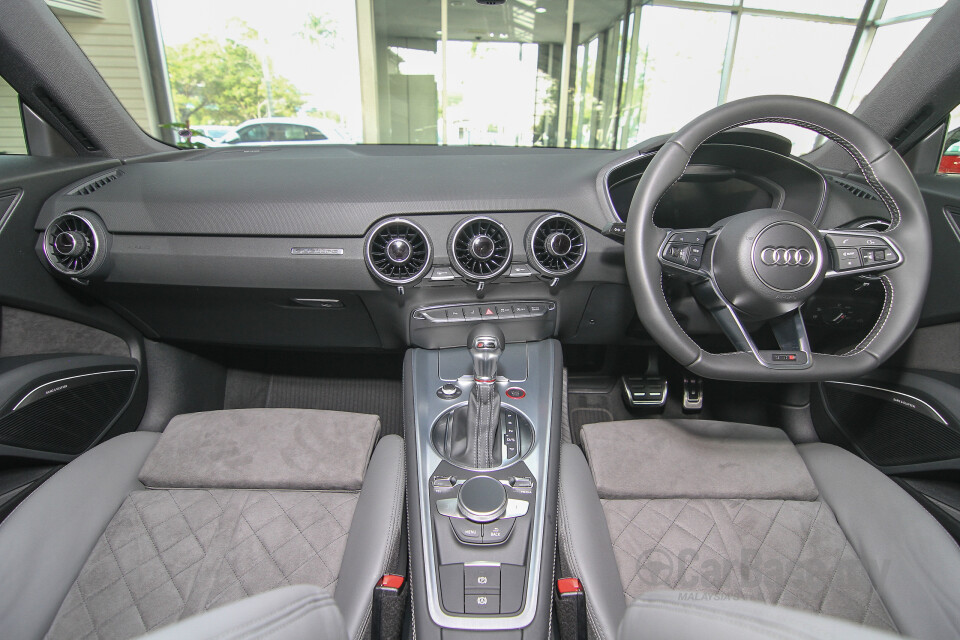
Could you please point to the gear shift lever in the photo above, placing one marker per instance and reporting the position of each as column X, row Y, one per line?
column 469, row 436
column 486, row 347
column 483, row 410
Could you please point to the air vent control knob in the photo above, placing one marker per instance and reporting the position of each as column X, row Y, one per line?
column 559, row 244
column 482, row 247
column 399, row 251
column 70, row 244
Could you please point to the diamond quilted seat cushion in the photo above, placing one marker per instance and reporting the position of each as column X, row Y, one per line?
column 224, row 505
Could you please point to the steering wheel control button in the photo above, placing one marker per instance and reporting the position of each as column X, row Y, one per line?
column 497, row 532
column 515, row 393
column 482, row 499
column 466, row 531
column 786, row 257
column 685, row 248
column 481, row 604
column 481, row 579
column 449, row 391
column 689, row 237
column 849, row 261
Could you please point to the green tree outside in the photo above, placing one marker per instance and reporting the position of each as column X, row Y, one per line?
column 222, row 83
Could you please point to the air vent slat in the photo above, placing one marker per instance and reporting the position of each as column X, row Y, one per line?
column 95, row 184
column 480, row 248
column 398, row 251
column 557, row 245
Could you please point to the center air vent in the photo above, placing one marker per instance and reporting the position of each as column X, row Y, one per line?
column 398, row 251
column 480, row 248
column 557, row 244
column 74, row 243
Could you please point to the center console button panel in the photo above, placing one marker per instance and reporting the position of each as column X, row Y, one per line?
column 448, row 325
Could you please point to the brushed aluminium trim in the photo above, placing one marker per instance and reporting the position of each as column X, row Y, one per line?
column 897, row 397
column 24, row 400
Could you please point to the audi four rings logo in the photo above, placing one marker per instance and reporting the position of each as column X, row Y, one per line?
column 786, row 256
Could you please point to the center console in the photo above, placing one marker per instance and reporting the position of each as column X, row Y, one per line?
column 482, row 431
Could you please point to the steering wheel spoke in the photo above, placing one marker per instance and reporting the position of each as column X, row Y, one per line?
column 788, row 329
column 859, row 252
column 685, row 250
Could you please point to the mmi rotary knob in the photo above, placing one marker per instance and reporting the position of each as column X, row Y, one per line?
column 482, row 499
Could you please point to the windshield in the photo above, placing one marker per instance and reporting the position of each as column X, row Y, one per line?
column 553, row 73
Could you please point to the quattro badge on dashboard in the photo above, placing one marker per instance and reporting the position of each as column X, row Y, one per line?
column 315, row 251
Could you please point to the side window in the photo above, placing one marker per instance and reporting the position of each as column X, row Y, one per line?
column 314, row 134
column 950, row 159
column 12, row 138
column 253, row 133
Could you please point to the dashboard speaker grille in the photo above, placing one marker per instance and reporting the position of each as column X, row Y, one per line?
column 557, row 245
column 398, row 251
column 73, row 243
column 480, row 248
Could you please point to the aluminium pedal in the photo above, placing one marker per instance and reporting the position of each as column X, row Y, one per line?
column 692, row 393
column 644, row 391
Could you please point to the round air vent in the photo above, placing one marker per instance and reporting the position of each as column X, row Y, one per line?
column 557, row 244
column 480, row 248
column 75, row 243
column 398, row 251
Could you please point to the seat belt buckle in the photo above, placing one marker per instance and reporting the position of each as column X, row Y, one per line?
column 571, row 602
column 389, row 603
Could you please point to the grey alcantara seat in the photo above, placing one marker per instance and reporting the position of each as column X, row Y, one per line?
column 149, row 529
column 738, row 512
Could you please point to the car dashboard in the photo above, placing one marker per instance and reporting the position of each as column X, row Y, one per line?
column 383, row 247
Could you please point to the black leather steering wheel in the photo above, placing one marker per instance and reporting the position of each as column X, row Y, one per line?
column 763, row 265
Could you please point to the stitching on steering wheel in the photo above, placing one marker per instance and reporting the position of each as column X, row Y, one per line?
column 866, row 168
column 881, row 321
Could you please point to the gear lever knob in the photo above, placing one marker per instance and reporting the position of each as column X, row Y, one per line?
column 486, row 345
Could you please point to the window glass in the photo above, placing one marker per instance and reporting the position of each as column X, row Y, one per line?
column 459, row 72
column 12, row 139
column 895, row 8
column 774, row 56
column 841, row 8
column 672, row 81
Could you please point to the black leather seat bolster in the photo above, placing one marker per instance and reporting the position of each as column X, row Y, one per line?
column 585, row 544
column 374, row 541
column 47, row 539
column 912, row 560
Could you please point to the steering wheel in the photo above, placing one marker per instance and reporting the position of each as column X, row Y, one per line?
column 763, row 265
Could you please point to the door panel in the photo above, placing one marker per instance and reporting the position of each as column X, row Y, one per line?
column 70, row 368
column 905, row 417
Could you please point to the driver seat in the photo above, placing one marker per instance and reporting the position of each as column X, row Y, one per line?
column 738, row 511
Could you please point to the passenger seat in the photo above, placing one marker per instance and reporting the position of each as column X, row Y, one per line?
column 147, row 529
